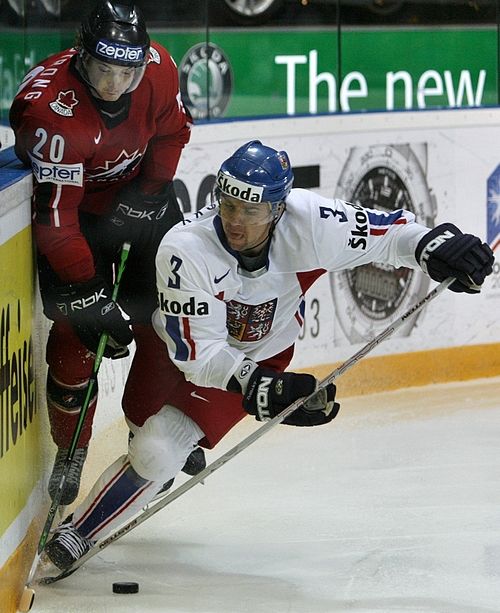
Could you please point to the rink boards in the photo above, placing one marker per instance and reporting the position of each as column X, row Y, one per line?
column 20, row 469
column 442, row 165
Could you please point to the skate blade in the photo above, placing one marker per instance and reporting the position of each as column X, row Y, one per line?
column 46, row 571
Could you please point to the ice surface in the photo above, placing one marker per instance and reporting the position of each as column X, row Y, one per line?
column 395, row 506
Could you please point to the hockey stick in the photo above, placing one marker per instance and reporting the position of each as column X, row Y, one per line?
column 79, row 425
column 246, row 442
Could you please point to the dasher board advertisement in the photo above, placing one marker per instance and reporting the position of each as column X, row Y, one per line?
column 442, row 166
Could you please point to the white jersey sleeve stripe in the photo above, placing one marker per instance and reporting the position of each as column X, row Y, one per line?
column 380, row 223
column 179, row 331
column 380, row 230
column 189, row 339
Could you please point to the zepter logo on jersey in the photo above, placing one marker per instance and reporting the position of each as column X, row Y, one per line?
column 205, row 80
column 386, row 178
column 61, row 174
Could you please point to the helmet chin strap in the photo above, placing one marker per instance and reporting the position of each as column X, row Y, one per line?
column 263, row 242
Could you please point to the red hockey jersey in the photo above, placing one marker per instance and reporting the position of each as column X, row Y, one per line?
column 80, row 159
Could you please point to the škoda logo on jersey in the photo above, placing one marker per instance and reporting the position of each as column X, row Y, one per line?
column 238, row 189
column 360, row 233
column 187, row 308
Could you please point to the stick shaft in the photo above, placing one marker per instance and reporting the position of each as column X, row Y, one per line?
column 79, row 425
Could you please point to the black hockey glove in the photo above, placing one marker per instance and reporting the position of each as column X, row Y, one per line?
column 142, row 219
column 91, row 311
column 269, row 392
column 446, row 252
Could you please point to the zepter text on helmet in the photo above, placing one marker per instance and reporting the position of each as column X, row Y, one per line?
column 109, row 51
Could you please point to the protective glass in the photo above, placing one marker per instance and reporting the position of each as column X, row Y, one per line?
column 235, row 211
column 95, row 71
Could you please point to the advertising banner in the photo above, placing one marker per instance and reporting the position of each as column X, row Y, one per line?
column 263, row 73
column 19, row 431
column 269, row 72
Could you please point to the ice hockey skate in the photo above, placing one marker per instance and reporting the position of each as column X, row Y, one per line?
column 67, row 545
column 72, row 483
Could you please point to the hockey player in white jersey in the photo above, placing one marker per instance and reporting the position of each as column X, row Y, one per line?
column 231, row 283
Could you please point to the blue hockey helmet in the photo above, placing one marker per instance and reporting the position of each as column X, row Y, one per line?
column 254, row 174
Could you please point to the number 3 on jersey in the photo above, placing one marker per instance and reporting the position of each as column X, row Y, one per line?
column 175, row 281
column 325, row 212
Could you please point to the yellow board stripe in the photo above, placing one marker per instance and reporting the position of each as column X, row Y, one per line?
column 389, row 372
column 14, row 572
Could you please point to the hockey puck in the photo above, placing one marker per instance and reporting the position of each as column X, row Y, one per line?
column 125, row 587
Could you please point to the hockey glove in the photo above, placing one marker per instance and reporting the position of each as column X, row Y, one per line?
column 446, row 252
column 91, row 311
column 142, row 219
column 269, row 393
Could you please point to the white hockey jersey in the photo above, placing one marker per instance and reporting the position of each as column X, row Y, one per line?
column 213, row 313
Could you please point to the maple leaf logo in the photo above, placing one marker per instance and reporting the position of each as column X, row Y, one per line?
column 67, row 99
column 64, row 103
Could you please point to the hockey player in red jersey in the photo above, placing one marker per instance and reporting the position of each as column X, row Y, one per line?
column 231, row 283
column 102, row 126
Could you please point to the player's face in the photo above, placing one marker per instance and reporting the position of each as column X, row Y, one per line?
column 109, row 81
column 246, row 225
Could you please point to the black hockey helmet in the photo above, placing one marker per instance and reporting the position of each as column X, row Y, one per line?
column 116, row 34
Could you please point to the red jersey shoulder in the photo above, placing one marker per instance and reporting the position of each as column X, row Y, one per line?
column 160, row 56
column 52, row 100
column 161, row 71
column 51, row 81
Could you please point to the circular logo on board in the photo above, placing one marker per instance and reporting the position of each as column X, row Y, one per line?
column 368, row 297
column 205, row 81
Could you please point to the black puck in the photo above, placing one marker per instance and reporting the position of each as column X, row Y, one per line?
column 125, row 587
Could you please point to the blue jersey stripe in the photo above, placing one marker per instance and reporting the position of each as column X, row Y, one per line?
column 384, row 219
column 173, row 329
